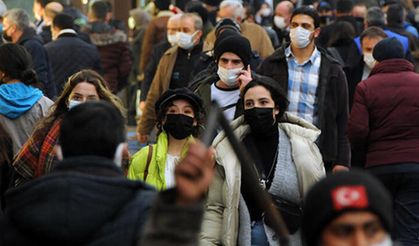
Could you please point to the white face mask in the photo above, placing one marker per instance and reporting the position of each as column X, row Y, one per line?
column 265, row 12
column 385, row 242
column 369, row 60
column 229, row 76
column 172, row 38
column 117, row 159
column 300, row 37
column 279, row 22
column 185, row 40
column 73, row 103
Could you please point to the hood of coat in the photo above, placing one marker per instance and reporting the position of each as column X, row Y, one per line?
column 102, row 34
column 392, row 66
column 17, row 98
column 70, row 204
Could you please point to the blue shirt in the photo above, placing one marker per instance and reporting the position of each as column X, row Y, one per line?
column 303, row 80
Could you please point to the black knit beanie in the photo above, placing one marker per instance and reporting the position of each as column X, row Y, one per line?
column 236, row 44
column 225, row 24
column 388, row 48
column 340, row 193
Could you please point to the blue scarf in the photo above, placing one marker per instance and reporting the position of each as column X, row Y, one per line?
column 17, row 98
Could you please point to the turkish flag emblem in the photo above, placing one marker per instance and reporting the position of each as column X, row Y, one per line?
column 349, row 197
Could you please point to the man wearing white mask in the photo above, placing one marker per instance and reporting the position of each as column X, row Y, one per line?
column 281, row 23
column 316, row 85
column 362, row 69
column 232, row 55
column 174, row 69
column 173, row 25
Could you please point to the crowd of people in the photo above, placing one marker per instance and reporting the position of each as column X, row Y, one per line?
column 311, row 90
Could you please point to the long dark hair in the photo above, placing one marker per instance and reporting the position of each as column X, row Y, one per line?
column 16, row 63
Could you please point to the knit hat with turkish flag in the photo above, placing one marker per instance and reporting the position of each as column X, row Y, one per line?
column 340, row 193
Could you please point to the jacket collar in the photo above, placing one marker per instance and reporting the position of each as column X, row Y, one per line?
column 392, row 66
column 96, row 165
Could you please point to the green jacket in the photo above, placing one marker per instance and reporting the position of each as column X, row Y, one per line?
column 156, row 174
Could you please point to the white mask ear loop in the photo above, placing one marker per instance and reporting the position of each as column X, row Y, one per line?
column 118, row 154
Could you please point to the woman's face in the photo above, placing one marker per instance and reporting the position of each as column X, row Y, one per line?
column 259, row 97
column 84, row 92
column 181, row 106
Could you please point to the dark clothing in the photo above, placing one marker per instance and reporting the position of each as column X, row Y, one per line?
column 153, row 62
column 283, row 35
column 68, row 55
column 402, row 181
column 40, row 60
column 84, row 201
column 351, row 62
column 115, row 54
column 185, row 60
column 118, row 24
column 329, row 30
column 87, row 201
column 384, row 122
column 331, row 98
column 263, row 150
column 46, row 34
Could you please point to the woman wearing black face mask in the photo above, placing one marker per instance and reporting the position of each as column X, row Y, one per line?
column 287, row 162
column 179, row 117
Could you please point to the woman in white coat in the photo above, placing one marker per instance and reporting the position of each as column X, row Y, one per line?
column 287, row 161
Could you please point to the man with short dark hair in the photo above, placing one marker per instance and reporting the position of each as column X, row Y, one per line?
column 343, row 13
column 348, row 208
column 68, row 53
column 316, row 86
column 87, row 200
column 115, row 54
column 17, row 30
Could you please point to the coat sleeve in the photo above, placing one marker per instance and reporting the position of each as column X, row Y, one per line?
column 149, row 72
column 358, row 126
column 137, row 164
column 147, row 45
column 124, row 66
column 171, row 224
column 212, row 224
column 42, row 67
column 148, row 119
column 344, row 150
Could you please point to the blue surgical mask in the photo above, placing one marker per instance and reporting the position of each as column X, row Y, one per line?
column 1, row 27
column 73, row 103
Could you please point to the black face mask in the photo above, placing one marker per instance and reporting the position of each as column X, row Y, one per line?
column 178, row 126
column 260, row 120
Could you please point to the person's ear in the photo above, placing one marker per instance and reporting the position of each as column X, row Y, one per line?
column 58, row 151
column 316, row 32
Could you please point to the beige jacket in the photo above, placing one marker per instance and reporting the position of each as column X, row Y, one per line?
column 160, row 84
column 221, row 219
column 258, row 38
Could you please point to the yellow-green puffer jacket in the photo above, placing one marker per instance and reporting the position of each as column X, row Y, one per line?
column 157, row 166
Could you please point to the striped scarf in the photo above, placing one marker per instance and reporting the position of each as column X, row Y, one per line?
column 37, row 156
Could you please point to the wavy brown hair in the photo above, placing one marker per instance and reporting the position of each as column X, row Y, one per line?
column 60, row 106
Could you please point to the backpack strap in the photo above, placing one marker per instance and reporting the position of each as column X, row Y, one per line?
column 150, row 154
